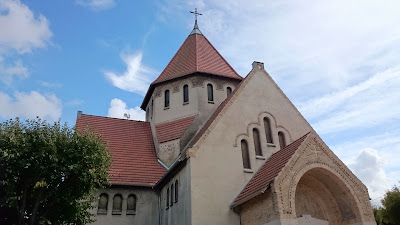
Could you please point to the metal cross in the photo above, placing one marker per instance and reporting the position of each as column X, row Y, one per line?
column 195, row 14
column 315, row 151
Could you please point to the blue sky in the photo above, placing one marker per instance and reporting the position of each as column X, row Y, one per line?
column 338, row 62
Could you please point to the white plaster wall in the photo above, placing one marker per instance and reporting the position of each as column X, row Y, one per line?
column 217, row 169
column 146, row 207
column 180, row 212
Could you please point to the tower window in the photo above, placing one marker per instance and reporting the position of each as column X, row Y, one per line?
column 103, row 204
column 228, row 91
column 151, row 109
column 282, row 141
column 257, row 143
column 245, row 154
column 117, row 205
column 267, row 127
column 131, row 205
column 210, row 92
column 185, row 93
column 176, row 191
column 166, row 99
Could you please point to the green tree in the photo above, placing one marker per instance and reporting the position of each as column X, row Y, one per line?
column 391, row 206
column 49, row 172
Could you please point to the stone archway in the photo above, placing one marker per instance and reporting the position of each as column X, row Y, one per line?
column 323, row 198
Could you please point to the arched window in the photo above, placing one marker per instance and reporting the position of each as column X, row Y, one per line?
column 267, row 127
column 166, row 99
column 103, row 204
column 257, row 143
column 131, row 205
column 117, row 205
column 210, row 92
column 151, row 109
column 228, row 91
column 176, row 191
column 185, row 93
column 172, row 195
column 282, row 141
column 245, row 154
column 167, row 199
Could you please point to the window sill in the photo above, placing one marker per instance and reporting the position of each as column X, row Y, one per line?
column 102, row 212
column 185, row 103
column 211, row 102
column 271, row 144
column 117, row 212
column 248, row 170
column 130, row 212
column 260, row 157
column 165, row 108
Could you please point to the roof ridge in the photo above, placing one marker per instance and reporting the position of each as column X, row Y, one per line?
column 108, row 117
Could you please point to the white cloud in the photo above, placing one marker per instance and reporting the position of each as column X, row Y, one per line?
column 118, row 108
column 365, row 104
column 136, row 78
column 9, row 72
column 97, row 5
column 21, row 30
column 30, row 105
column 368, row 167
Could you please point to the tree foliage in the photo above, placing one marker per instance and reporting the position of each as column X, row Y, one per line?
column 49, row 172
column 389, row 213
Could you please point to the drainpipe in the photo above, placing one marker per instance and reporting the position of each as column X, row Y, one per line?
column 159, row 207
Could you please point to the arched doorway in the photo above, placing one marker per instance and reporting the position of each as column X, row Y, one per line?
column 323, row 198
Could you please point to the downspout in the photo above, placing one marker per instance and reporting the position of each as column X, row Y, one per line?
column 159, row 207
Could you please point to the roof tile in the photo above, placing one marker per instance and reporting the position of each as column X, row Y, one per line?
column 174, row 129
column 130, row 142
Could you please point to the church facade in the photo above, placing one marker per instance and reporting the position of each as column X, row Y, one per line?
column 217, row 148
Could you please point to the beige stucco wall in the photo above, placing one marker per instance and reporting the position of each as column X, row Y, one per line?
column 179, row 213
column 146, row 207
column 217, row 170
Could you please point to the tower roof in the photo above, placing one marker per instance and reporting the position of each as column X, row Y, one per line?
column 196, row 55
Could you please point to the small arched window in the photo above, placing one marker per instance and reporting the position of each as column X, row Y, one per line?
column 257, row 143
column 167, row 200
column 176, row 191
column 185, row 93
column 151, row 109
column 210, row 92
column 228, row 91
column 245, row 154
column 166, row 99
column 131, row 205
column 282, row 141
column 172, row 195
column 103, row 204
column 117, row 205
column 267, row 127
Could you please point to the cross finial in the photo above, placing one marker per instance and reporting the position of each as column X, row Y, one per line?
column 196, row 29
column 195, row 15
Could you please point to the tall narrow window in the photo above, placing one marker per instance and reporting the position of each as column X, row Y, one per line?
column 282, row 141
column 245, row 154
column 166, row 99
column 167, row 200
column 172, row 195
column 185, row 93
column 257, row 143
column 176, row 191
column 210, row 93
column 267, row 127
column 131, row 205
column 117, row 205
column 228, row 91
column 103, row 204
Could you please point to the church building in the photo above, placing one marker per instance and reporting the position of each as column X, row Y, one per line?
column 220, row 148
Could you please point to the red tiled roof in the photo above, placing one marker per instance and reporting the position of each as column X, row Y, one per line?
column 197, row 55
column 173, row 130
column 268, row 172
column 130, row 142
